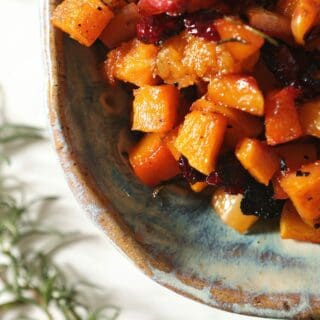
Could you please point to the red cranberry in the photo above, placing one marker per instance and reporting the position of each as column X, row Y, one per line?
column 190, row 174
column 153, row 7
column 155, row 29
column 201, row 24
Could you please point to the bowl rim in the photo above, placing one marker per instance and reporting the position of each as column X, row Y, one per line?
column 97, row 206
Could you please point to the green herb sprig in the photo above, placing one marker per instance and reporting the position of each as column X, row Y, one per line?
column 29, row 277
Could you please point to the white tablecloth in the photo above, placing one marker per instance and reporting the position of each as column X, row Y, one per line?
column 21, row 79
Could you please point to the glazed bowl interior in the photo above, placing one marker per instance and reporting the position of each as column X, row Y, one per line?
column 175, row 238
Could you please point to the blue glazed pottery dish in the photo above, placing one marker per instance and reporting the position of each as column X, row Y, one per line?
column 176, row 238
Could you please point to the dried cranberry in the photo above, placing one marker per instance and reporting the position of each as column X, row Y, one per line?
column 229, row 174
column 190, row 174
column 281, row 63
column 258, row 200
column 294, row 66
column 155, row 29
column 201, row 24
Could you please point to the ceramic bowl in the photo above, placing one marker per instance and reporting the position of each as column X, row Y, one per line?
column 176, row 238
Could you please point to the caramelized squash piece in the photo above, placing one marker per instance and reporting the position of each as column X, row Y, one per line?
column 122, row 27
column 293, row 227
column 186, row 60
column 305, row 16
column 271, row 23
column 169, row 64
column 155, row 108
column 83, row 20
column 198, row 186
column 303, row 188
column 281, row 117
column 132, row 62
column 294, row 155
column 240, row 124
column 152, row 161
column 237, row 91
column 229, row 29
column 227, row 207
column 170, row 140
column 250, row 126
column 261, row 162
column 310, row 118
column 200, row 138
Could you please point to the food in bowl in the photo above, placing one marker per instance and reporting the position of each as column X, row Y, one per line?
column 226, row 95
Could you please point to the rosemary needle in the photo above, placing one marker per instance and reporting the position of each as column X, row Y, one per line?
column 28, row 275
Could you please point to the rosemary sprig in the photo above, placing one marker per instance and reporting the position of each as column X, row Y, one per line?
column 29, row 276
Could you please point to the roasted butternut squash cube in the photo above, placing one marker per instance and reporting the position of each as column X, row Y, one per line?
column 281, row 117
column 237, row 91
column 169, row 65
column 278, row 192
column 304, row 17
column 297, row 154
column 293, row 227
column 200, row 57
column 198, row 186
column 155, row 108
column 271, row 23
column 229, row 29
column 122, row 27
column 83, row 20
column 186, row 59
column 170, row 139
column 261, row 162
column 310, row 117
column 228, row 208
column 200, row 138
column 152, row 161
column 132, row 62
column 303, row 188
column 250, row 125
column 294, row 155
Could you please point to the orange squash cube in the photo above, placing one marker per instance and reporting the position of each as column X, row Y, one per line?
column 122, row 27
column 294, row 155
column 155, row 108
column 152, row 161
column 297, row 154
column 281, row 117
column 132, row 62
column 293, row 227
column 83, row 20
column 227, row 207
column 261, row 162
column 240, row 124
column 198, row 186
column 303, row 188
column 237, row 91
column 305, row 15
column 200, row 138
column 310, row 118
column 250, row 126
column 229, row 29
column 278, row 192
column 170, row 140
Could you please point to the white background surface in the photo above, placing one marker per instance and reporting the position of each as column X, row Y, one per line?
column 21, row 77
